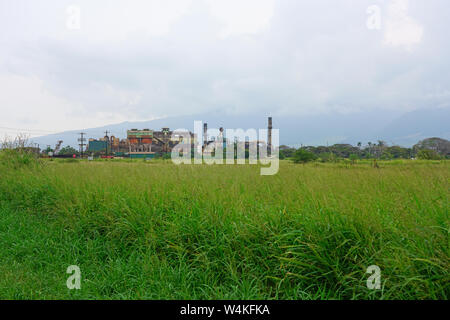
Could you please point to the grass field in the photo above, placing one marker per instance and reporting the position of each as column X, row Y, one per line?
column 153, row 230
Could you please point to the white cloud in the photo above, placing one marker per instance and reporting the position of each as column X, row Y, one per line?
column 242, row 16
column 26, row 103
column 401, row 29
column 147, row 59
column 114, row 21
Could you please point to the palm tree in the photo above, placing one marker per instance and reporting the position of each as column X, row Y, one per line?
column 359, row 147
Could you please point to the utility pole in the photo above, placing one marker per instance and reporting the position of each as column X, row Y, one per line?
column 269, row 137
column 82, row 141
column 107, row 142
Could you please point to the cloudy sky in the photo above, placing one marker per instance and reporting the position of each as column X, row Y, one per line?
column 81, row 63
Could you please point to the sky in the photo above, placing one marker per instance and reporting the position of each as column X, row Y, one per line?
column 67, row 65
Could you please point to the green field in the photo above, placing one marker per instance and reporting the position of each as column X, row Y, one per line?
column 153, row 230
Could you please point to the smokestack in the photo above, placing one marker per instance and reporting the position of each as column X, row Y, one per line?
column 269, row 137
column 205, row 134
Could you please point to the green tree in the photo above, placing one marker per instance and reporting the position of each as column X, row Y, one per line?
column 327, row 157
column 386, row 155
column 353, row 157
column 286, row 152
column 398, row 152
column 438, row 145
column 303, row 156
column 68, row 150
column 47, row 150
column 427, row 154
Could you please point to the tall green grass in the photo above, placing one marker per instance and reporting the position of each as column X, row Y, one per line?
column 153, row 230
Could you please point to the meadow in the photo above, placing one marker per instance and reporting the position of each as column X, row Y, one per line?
column 154, row 230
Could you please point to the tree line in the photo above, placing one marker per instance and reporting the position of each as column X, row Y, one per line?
column 428, row 149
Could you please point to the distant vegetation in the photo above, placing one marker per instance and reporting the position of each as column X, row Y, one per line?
column 302, row 156
column 428, row 149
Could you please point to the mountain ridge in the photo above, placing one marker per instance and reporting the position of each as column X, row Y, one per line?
column 404, row 129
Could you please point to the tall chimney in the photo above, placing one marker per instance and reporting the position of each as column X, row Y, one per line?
column 269, row 138
column 205, row 134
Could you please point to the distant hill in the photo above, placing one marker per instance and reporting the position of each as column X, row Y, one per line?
column 417, row 125
column 393, row 127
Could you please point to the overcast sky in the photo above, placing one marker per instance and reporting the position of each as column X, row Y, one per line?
column 143, row 59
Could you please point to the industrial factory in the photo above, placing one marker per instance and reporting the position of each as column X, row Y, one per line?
column 146, row 143
column 138, row 144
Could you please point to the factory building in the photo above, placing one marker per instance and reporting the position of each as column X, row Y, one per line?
column 165, row 140
column 140, row 143
column 146, row 143
column 97, row 146
column 108, row 146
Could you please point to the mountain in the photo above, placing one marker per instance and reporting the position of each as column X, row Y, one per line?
column 418, row 125
column 394, row 127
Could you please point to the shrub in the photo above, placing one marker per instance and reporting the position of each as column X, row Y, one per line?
column 303, row 156
column 15, row 158
column 353, row 157
column 427, row 154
